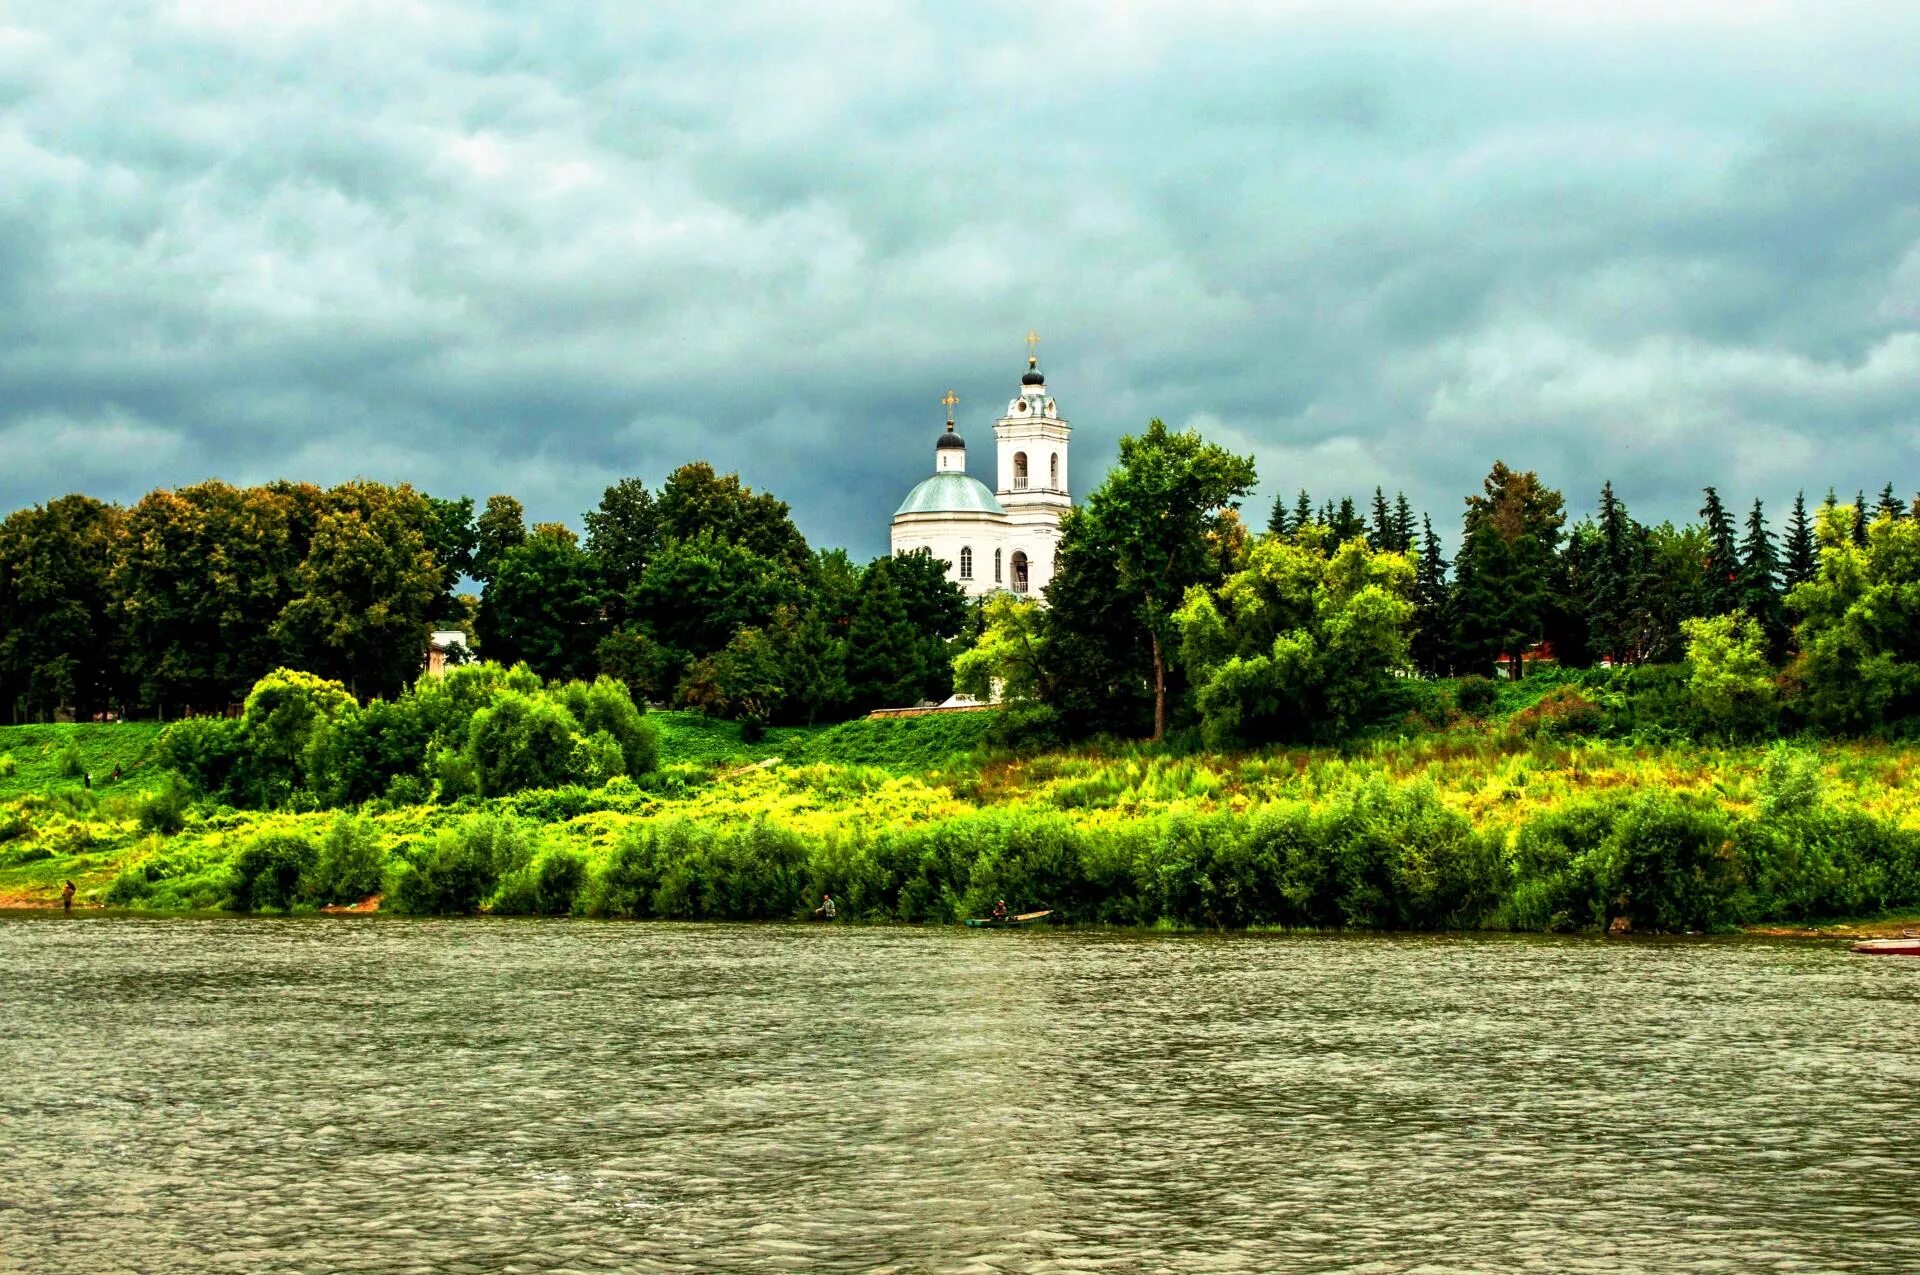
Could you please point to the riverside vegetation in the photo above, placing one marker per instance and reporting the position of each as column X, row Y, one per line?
column 1505, row 809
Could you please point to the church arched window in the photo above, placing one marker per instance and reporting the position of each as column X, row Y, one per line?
column 1019, row 571
column 966, row 563
column 996, row 566
column 1053, row 472
column 1019, row 471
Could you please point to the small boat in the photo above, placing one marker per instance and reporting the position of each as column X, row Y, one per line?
column 1006, row 922
column 1908, row 944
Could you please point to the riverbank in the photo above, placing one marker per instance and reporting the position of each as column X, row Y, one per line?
column 1462, row 830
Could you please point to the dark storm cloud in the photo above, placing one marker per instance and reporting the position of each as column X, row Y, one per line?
column 493, row 248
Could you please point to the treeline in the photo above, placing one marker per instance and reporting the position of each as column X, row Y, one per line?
column 703, row 593
column 1167, row 613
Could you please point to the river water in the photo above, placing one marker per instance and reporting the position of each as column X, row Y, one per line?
column 390, row 1095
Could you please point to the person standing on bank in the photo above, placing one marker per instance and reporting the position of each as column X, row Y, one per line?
column 66, row 897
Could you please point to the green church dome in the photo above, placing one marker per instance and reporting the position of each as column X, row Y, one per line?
column 950, row 493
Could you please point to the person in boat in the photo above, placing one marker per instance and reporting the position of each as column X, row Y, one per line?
column 66, row 897
column 1000, row 910
column 826, row 911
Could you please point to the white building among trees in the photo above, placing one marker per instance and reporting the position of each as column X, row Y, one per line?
column 1004, row 537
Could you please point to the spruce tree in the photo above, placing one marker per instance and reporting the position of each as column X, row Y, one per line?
column 1277, row 522
column 883, row 646
column 1432, row 608
column 1720, row 573
column 1380, row 535
column 1302, row 511
column 1402, row 524
column 1610, row 597
column 1505, row 591
column 1760, row 581
column 1860, row 519
column 1889, row 506
column 1798, row 564
column 1347, row 523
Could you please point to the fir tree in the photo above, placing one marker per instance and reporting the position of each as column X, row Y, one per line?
column 1380, row 535
column 1402, row 524
column 1799, row 562
column 1760, row 581
column 1889, row 506
column 1277, row 521
column 1432, row 607
column 1860, row 519
column 1505, row 577
column 1302, row 511
column 1611, row 632
column 883, row 646
column 1720, row 573
column 1347, row 523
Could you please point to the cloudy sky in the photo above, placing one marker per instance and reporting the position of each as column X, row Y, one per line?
column 487, row 248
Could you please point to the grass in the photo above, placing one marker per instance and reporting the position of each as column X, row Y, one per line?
column 37, row 753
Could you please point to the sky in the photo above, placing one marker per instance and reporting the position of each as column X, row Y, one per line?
column 533, row 248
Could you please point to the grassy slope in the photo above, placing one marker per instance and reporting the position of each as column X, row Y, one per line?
column 36, row 753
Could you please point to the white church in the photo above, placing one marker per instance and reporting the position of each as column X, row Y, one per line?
column 1004, row 537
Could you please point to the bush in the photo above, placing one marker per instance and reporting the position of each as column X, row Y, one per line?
column 522, row 741
column 268, row 871
column 350, row 864
column 463, row 866
column 1668, row 865
column 8, row 766
column 204, row 751
column 1476, row 696
column 69, row 762
column 164, row 810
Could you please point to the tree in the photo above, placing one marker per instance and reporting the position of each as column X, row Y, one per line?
column 366, row 589
column 1347, row 524
column 697, row 593
column 1278, row 523
column 1720, row 571
column 542, row 605
column 694, row 501
column 450, row 534
column 1728, row 677
column 1010, row 657
column 1760, row 582
column 1402, row 523
column 1432, row 644
column 813, row 663
column 1100, row 653
column 1889, row 505
column 59, row 625
column 1299, row 643
column 1860, row 519
column 1612, row 595
column 884, row 654
column 1302, row 511
column 1157, row 511
column 937, row 608
column 502, row 526
column 205, row 575
column 1799, row 562
column 623, row 533
column 743, row 682
column 1859, row 632
column 1505, row 592
column 1380, row 535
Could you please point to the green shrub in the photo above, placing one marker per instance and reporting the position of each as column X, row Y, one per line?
column 268, row 871
column 69, row 762
column 350, row 865
column 521, row 741
column 205, row 751
column 1668, row 865
column 8, row 766
column 1476, row 696
column 164, row 810
column 463, row 866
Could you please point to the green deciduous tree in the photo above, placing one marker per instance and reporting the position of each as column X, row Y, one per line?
column 1859, row 629
column 542, row 605
column 59, row 622
column 1299, row 644
column 502, row 526
column 1159, row 513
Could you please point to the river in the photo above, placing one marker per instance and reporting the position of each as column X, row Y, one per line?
column 446, row 1096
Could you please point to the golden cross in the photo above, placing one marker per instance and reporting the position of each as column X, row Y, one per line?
column 1033, row 339
column 950, row 399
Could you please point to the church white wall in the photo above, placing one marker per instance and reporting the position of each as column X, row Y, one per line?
column 945, row 537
